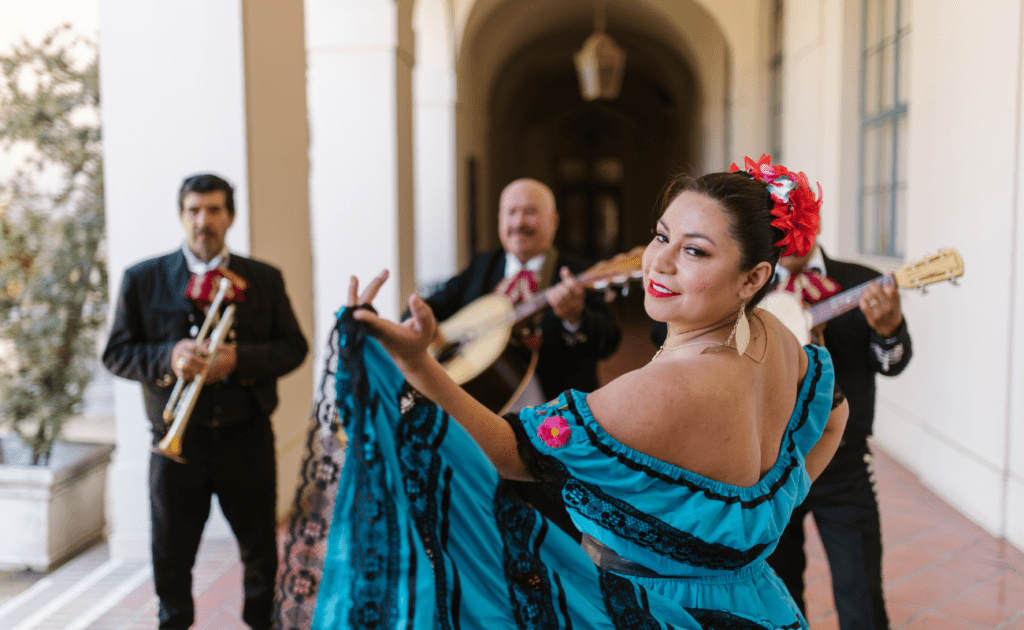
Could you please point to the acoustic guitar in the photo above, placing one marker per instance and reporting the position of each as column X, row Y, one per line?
column 944, row 265
column 477, row 347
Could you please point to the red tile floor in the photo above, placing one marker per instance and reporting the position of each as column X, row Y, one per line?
column 942, row 572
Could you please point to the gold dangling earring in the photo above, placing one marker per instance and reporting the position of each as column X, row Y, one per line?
column 741, row 331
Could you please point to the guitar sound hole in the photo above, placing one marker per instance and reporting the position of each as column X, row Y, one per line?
column 448, row 351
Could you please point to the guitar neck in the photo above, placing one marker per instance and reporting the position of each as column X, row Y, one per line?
column 528, row 308
column 616, row 271
column 844, row 302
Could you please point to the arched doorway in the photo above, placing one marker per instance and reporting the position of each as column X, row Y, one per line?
column 606, row 161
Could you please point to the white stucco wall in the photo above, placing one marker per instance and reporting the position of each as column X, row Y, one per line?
column 949, row 417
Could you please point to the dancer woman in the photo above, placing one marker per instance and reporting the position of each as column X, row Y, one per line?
column 681, row 474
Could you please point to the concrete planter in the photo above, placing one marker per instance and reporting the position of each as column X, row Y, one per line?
column 49, row 513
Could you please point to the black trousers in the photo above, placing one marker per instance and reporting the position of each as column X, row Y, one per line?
column 237, row 464
column 844, row 504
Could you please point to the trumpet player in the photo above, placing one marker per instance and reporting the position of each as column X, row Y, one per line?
column 228, row 445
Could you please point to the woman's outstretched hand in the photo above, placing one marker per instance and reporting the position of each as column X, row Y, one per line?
column 406, row 342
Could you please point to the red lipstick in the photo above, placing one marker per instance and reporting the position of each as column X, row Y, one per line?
column 658, row 291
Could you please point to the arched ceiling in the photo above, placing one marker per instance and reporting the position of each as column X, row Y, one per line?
column 506, row 26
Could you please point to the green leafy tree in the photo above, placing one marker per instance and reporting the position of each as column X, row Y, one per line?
column 53, row 278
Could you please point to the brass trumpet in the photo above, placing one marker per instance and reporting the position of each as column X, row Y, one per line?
column 183, row 397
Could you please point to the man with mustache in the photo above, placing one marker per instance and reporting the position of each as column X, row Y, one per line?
column 576, row 332
column 228, row 447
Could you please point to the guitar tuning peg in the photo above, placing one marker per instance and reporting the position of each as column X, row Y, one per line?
column 924, row 290
column 625, row 289
column 609, row 296
column 953, row 281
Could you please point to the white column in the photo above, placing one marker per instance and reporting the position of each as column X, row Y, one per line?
column 359, row 92
column 434, row 98
column 278, row 156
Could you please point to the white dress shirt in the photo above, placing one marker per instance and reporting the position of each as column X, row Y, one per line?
column 199, row 267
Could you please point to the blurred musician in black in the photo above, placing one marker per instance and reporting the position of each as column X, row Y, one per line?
column 228, row 445
column 575, row 333
column 866, row 341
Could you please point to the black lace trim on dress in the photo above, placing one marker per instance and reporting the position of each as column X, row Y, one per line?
column 529, row 584
column 541, row 467
column 305, row 544
column 837, row 396
column 620, row 601
column 721, row 620
column 374, row 540
column 812, row 390
column 651, row 533
column 425, row 478
column 627, row 522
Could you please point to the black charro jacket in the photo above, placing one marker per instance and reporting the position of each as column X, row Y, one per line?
column 152, row 314
column 566, row 360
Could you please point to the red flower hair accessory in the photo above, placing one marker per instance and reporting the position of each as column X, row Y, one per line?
column 795, row 206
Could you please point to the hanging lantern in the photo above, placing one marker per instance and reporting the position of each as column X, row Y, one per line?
column 600, row 63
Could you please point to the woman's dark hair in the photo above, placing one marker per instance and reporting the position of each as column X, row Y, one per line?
column 749, row 206
column 204, row 183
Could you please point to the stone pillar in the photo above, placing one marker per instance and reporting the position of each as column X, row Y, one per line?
column 360, row 56
column 178, row 99
column 278, row 155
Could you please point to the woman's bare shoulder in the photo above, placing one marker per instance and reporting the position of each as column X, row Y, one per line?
column 659, row 384
column 651, row 408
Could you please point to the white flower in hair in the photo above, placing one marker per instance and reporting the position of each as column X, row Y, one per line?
column 781, row 187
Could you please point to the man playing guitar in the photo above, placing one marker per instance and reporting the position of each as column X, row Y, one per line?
column 872, row 339
column 574, row 334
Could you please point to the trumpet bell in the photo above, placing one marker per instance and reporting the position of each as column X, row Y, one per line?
column 170, row 447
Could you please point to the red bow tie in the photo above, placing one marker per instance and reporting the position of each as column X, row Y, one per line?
column 522, row 286
column 812, row 287
column 203, row 288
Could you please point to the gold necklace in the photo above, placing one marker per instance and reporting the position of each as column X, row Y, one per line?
column 694, row 343
column 680, row 347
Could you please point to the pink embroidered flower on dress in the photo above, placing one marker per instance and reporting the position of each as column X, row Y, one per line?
column 554, row 431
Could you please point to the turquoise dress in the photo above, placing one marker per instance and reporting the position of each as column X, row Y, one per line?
column 426, row 535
